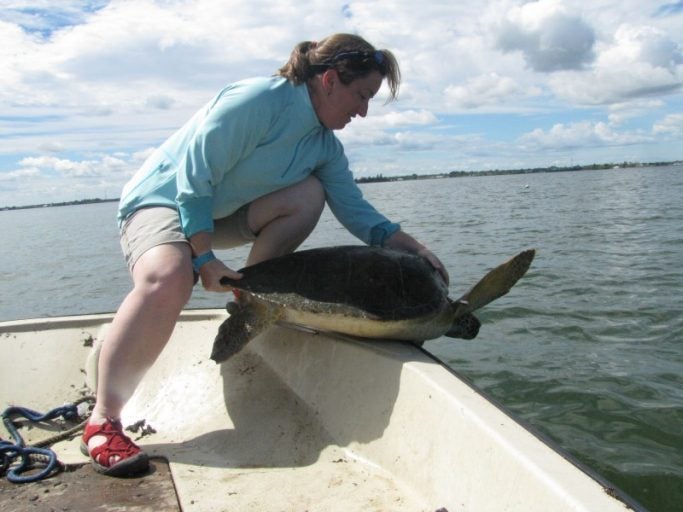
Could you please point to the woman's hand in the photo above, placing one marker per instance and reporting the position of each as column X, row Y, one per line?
column 402, row 240
column 212, row 271
column 435, row 262
column 211, row 274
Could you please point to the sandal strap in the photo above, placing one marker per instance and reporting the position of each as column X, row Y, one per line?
column 116, row 444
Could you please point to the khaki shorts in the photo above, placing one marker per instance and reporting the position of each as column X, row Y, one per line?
column 149, row 227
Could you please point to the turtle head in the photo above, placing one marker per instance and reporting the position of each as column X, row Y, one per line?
column 465, row 326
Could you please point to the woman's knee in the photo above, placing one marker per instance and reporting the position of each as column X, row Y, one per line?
column 164, row 273
column 304, row 200
column 314, row 188
column 308, row 202
column 308, row 195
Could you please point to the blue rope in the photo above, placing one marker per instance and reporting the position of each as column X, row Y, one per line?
column 28, row 454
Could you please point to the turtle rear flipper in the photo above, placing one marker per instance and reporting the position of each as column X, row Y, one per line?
column 246, row 321
column 495, row 284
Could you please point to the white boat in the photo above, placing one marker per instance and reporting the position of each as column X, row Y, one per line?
column 301, row 421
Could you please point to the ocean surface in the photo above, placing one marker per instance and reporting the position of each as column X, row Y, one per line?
column 587, row 348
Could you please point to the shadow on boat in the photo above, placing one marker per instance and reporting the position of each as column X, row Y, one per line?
column 289, row 396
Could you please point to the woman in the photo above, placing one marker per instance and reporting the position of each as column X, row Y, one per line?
column 255, row 165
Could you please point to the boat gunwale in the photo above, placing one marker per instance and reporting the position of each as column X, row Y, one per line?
column 610, row 488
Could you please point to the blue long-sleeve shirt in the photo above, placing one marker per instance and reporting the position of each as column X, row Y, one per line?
column 256, row 136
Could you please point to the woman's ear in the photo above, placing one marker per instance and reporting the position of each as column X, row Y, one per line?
column 329, row 78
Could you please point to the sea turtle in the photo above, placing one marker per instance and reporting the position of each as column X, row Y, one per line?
column 362, row 291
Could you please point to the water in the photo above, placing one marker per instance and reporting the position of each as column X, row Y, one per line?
column 587, row 348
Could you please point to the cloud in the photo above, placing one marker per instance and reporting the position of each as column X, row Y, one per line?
column 670, row 125
column 400, row 119
column 487, row 90
column 549, row 38
column 19, row 174
column 124, row 52
column 640, row 61
column 375, row 129
column 160, row 101
column 578, row 135
column 42, row 179
column 619, row 113
column 43, row 17
column 104, row 166
column 644, row 44
column 52, row 147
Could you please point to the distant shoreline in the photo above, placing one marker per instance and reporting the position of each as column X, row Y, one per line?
column 498, row 172
column 381, row 179
column 65, row 203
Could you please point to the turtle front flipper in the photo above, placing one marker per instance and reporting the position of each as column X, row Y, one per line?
column 246, row 321
column 495, row 284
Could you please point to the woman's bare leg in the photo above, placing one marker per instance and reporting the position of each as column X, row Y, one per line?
column 283, row 219
column 163, row 284
column 141, row 328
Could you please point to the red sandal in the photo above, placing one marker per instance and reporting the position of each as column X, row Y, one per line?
column 132, row 460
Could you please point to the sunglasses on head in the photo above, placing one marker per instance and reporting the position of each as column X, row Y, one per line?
column 376, row 56
column 374, row 59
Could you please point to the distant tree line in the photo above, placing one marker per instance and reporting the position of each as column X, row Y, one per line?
column 65, row 203
column 458, row 174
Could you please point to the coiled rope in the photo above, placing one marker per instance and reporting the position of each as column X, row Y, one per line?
column 16, row 458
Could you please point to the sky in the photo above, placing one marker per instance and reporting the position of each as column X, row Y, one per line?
column 89, row 87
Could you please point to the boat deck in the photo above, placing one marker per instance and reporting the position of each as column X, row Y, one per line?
column 79, row 488
column 297, row 422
